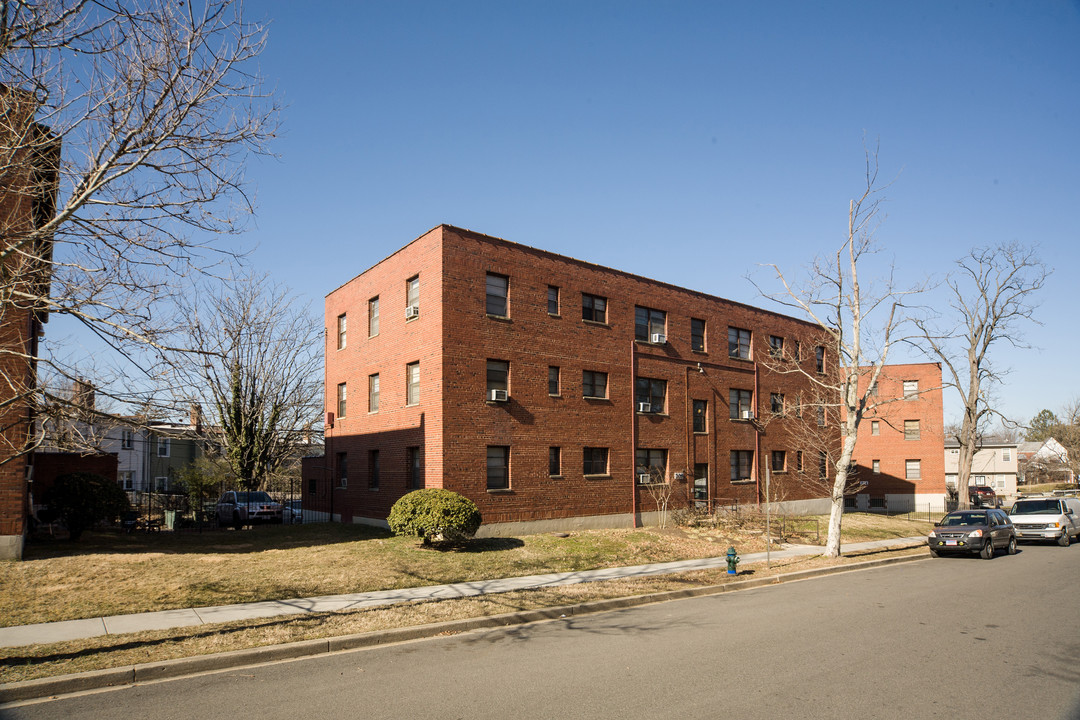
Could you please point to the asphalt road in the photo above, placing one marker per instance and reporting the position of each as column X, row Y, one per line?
column 950, row 638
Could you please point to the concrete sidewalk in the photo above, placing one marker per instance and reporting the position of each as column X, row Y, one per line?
column 116, row 624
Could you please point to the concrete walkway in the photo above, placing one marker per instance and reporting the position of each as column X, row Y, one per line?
column 139, row 622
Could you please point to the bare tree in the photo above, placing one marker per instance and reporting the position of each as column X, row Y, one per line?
column 260, row 374
column 992, row 294
column 858, row 326
column 126, row 126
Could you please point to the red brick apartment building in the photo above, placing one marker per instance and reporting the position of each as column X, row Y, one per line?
column 900, row 451
column 29, row 161
column 548, row 390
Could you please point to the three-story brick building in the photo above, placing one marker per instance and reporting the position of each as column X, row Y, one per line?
column 549, row 390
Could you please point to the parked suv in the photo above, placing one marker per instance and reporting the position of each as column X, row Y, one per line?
column 983, row 496
column 973, row 531
column 1047, row 518
column 239, row 508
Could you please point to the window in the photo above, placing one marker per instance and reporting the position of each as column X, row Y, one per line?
column 127, row 480
column 912, row 469
column 553, row 380
column 498, row 467
column 911, row 429
column 498, row 376
column 373, row 393
column 652, row 392
column 823, row 465
column 553, row 300
column 343, row 469
column 911, row 389
column 701, row 414
column 875, row 427
column 821, row 415
column 701, row 482
column 412, row 293
column 312, row 486
column 342, row 393
column 497, row 286
column 649, row 322
column 412, row 383
column 819, row 358
column 776, row 403
column 341, row 331
column 798, row 405
column 776, row 346
column 876, row 465
column 1006, row 455
column 798, row 460
column 739, row 402
column 651, row 462
column 697, row 335
column 738, row 343
column 874, row 390
column 373, row 470
column 593, row 384
column 798, row 351
column 161, row 483
column 415, row 478
column 778, row 461
column 373, row 317
column 594, row 461
column 126, row 439
column 741, row 462
column 593, row 308
column 163, row 447
column 554, row 461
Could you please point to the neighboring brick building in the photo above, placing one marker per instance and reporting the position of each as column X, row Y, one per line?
column 544, row 388
column 900, row 451
column 29, row 161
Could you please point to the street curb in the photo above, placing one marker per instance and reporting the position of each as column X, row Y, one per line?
column 179, row 667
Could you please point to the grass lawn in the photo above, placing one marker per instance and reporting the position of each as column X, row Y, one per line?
column 113, row 574
column 108, row 573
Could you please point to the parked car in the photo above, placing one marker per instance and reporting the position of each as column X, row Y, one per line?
column 983, row 496
column 292, row 512
column 980, row 532
column 240, row 507
column 1047, row 518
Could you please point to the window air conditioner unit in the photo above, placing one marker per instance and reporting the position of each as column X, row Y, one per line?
column 659, row 338
column 497, row 395
column 644, row 478
column 413, row 311
column 644, row 407
column 746, row 414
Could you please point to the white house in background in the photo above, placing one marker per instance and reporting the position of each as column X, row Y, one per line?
column 1046, row 461
column 995, row 465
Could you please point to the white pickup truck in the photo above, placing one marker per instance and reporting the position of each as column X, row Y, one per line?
column 1047, row 518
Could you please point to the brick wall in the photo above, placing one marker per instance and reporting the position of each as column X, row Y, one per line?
column 454, row 422
column 890, row 448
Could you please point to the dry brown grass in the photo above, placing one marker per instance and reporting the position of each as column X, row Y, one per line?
column 110, row 651
column 113, row 574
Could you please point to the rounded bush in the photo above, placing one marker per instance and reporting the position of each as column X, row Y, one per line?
column 435, row 514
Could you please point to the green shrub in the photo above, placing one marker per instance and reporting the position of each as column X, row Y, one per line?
column 81, row 500
column 435, row 515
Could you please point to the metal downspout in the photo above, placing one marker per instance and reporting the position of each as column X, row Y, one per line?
column 633, row 434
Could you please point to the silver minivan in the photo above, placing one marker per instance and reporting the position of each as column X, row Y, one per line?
column 1047, row 518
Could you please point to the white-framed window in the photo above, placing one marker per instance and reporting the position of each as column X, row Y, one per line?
column 875, row 427
column 877, row 467
column 342, row 399
column 412, row 383
column 911, row 430
column 1006, row 455
column 911, row 389
column 412, row 292
column 341, row 327
column 373, row 393
column 161, row 483
column 163, row 447
column 127, row 479
column 373, row 316
column 912, row 469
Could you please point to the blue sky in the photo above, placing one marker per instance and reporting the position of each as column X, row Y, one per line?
column 684, row 141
